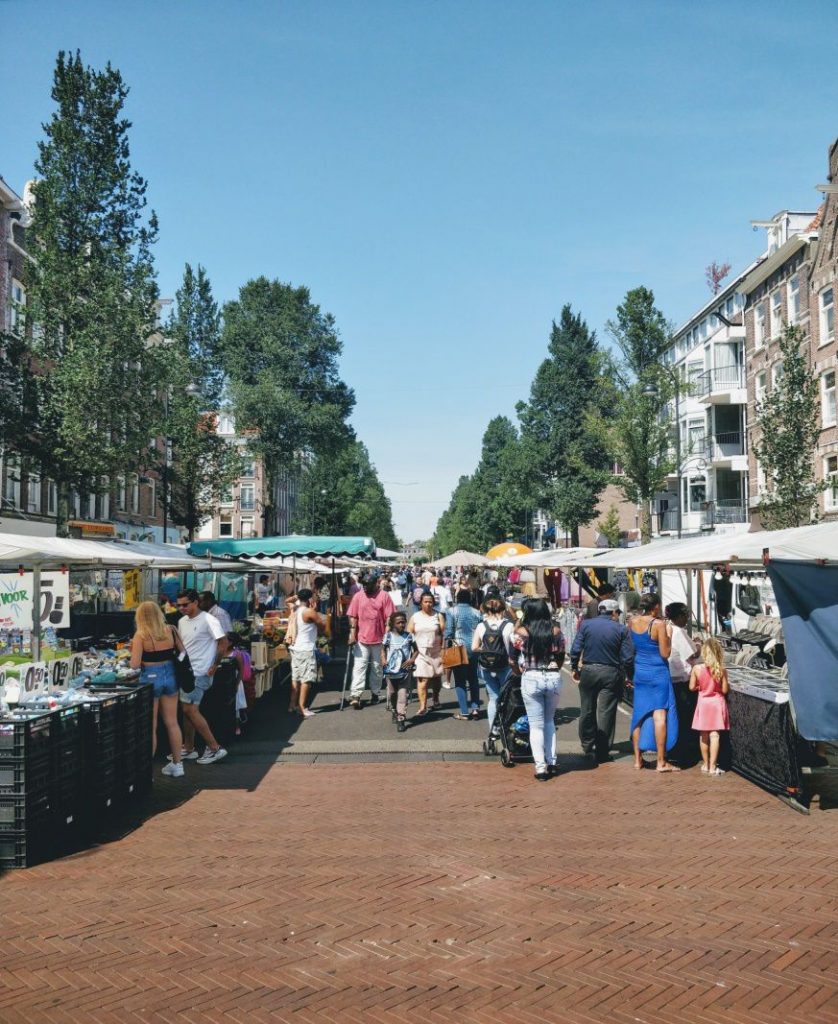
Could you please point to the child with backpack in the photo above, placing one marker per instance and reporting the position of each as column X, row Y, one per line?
column 711, row 714
column 492, row 642
column 398, row 653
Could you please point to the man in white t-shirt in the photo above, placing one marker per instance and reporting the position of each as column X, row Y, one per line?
column 208, row 604
column 200, row 634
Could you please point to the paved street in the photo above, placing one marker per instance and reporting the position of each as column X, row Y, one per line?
column 444, row 890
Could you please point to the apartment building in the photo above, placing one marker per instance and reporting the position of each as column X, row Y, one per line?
column 776, row 293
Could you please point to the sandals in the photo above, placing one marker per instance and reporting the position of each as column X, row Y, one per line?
column 421, row 712
column 460, row 718
column 668, row 768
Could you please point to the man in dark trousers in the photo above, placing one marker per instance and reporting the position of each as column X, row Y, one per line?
column 607, row 653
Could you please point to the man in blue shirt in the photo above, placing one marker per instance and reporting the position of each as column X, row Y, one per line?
column 607, row 653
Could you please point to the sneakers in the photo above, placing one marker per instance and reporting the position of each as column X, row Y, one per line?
column 186, row 755
column 211, row 756
column 308, row 713
column 174, row 770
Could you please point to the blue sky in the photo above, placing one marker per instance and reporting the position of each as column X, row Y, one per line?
column 445, row 176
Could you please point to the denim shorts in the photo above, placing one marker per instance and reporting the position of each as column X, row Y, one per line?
column 202, row 684
column 161, row 677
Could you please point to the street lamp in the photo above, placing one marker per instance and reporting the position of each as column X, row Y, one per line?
column 192, row 391
column 651, row 391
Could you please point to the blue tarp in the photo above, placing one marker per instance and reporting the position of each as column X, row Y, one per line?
column 807, row 597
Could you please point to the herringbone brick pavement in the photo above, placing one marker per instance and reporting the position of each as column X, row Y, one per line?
column 436, row 892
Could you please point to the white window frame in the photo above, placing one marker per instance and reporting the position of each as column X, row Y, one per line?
column 225, row 424
column 760, row 391
column 120, row 494
column 17, row 304
column 776, row 314
column 246, row 524
column 52, row 498
column 247, row 503
column 829, row 408
column 830, row 473
column 777, row 371
column 759, row 326
column 826, row 312
column 793, row 300
column 33, row 489
column 11, row 483
column 226, row 500
column 134, row 495
column 225, row 526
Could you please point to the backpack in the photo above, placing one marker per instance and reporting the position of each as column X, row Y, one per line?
column 418, row 592
column 492, row 654
column 395, row 663
column 247, row 667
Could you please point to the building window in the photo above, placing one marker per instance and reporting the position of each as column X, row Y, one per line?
column 11, row 483
column 828, row 409
column 776, row 314
column 760, row 385
column 153, row 491
column 17, row 315
column 777, row 371
column 52, row 497
column 227, row 497
column 694, row 493
column 135, row 494
column 247, row 497
column 225, row 527
column 827, row 318
column 120, row 494
column 246, row 527
column 248, row 469
column 830, row 475
column 33, row 493
column 226, row 424
column 759, row 326
column 793, row 299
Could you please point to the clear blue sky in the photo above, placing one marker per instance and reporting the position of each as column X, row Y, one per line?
column 444, row 176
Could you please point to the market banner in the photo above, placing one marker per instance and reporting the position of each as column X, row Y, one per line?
column 16, row 600
column 807, row 598
column 131, row 588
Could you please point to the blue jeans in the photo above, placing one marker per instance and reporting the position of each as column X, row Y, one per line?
column 466, row 675
column 541, row 690
column 494, row 683
column 202, row 684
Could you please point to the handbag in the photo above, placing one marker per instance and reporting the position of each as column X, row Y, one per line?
column 454, row 655
column 184, row 676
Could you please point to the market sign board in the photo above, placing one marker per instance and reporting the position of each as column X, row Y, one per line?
column 16, row 600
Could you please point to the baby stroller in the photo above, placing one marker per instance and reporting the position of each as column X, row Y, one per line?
column 510, row 727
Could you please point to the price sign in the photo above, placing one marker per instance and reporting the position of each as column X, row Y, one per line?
column 34, row 677
column 62, row 670
column 16, row 599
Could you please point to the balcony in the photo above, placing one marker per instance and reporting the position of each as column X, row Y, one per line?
column 724, row 385
column 727, row 451
column 724, row 512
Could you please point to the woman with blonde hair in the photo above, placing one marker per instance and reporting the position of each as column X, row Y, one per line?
column 711, row 715
column 154, row 647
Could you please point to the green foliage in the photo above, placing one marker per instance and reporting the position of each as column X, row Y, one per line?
column 91, row 294
column 568, row 463
column 203, row 465
column 281, row 354
column 789, row 427
column 640, row 435
column 340, row 494
column 609, row 527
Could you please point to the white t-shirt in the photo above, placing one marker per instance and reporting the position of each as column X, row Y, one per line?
column 508, row 633
column 200, row 636
column 223, row 617
column 442, row 595
column 682, row 651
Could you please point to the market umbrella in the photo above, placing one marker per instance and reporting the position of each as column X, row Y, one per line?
column 509, row 549
column 459, row 558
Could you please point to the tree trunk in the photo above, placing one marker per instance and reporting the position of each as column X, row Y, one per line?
column 62, row 508
column 645, row 520
column 574, row 537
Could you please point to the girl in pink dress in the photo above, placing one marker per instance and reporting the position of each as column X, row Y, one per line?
column 711, row 717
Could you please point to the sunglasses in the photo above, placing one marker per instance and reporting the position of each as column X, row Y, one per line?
column 183, row 604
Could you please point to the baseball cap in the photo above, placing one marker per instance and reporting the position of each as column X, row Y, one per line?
column 608, row 606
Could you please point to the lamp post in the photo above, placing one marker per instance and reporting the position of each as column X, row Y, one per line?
column 652, row 392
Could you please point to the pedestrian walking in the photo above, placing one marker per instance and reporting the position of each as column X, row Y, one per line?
column 199, row 634
column 711, row 715
column 492, row 643
column 308, row 623
column 654, row 720
column 540, row 647
column 428, row 629
column 398, row 656
column 369, row 613
column 606, row 651
column 460, row 623
column 207, row 603
column 154, row 647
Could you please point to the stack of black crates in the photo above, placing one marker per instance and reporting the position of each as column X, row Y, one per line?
column 63, row 773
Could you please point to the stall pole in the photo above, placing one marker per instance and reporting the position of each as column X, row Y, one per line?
column 690, row 599
column 36, row 613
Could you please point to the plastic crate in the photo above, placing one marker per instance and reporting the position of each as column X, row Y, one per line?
column 20, row 849
column 67, row 758
column 26, row 736
column 28, row 776
column 67, row 803
column 20, row 813
column 66, row 723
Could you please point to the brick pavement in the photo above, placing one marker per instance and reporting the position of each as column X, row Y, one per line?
column 434, row 892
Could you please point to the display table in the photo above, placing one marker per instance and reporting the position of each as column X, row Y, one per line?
column 763, row 740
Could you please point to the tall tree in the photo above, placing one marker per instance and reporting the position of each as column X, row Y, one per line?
column 280, row 352
column 92, row 293
column 341, row 494
column 197, row 465
column 639, row 429
column 788, row 419
column 458, row 527
column 500, row 484
column 568, row 461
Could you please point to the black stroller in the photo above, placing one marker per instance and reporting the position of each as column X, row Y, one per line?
column 510, row 727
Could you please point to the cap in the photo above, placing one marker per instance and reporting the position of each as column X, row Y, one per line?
column 608, row 606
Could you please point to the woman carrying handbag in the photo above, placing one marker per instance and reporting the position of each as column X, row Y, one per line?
column 461, row 622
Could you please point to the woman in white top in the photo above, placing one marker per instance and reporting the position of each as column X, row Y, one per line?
column 308, row 622
column 428, row 629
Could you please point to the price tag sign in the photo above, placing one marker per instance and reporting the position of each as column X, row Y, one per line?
column 34, row 677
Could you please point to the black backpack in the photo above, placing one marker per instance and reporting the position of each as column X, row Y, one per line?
column 492, row 654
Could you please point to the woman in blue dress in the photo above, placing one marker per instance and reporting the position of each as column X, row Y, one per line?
column 654, row 721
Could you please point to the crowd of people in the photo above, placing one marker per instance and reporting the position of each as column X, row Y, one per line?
column 437, row 629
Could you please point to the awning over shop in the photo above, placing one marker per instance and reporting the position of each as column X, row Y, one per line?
column 284, row 547
column 57, row 552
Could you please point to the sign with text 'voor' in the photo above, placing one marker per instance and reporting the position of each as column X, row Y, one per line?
column 16, row 597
